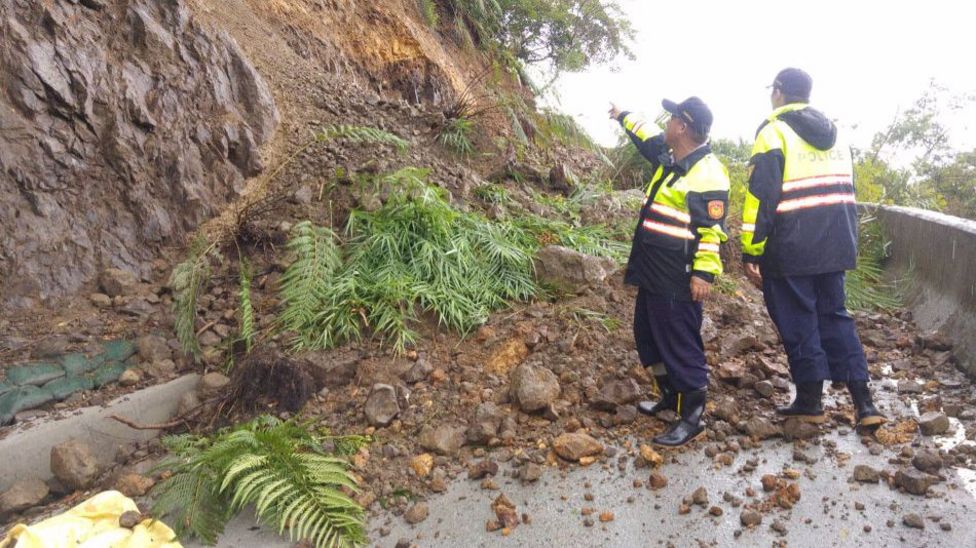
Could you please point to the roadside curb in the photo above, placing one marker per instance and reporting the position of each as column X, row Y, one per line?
column 26, row 454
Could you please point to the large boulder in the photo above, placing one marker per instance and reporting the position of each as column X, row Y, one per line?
column 533, row 387
column 617, row 392
column 74, row 464
column 571, row 271
column 381, row 405
column 444, row 440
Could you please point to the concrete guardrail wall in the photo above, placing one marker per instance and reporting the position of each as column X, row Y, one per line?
column 939, row 251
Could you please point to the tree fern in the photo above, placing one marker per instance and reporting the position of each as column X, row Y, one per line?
column 275, row 466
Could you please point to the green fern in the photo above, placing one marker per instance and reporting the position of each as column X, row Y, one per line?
column 305, row 284
column 275, row 466
column 416, row 254
column 247, row 309
column 361, row 134
column 186, row 281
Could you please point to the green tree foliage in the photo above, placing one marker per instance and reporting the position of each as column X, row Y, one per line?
column 278, row 467
column 912, row 162
column 566, row 35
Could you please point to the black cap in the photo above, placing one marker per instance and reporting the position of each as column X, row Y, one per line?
column 693, row 111
column 794, row 83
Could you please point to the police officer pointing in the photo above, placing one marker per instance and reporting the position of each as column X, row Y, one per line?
column 674, row 258
column 799, row 236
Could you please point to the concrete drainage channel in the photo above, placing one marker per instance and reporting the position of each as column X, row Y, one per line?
column 26, row 453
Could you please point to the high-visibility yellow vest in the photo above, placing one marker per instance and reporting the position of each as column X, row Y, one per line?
column 804, row 210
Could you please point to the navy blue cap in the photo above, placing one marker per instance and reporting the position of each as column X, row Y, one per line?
column 794, row 82
column 693, row 111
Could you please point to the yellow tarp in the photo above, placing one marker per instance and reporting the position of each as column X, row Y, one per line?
column 93, row 524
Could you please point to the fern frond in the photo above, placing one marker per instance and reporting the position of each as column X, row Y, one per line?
column 247, row 309
column 186, row 281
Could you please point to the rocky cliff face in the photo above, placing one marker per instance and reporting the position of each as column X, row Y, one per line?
column 123, row 125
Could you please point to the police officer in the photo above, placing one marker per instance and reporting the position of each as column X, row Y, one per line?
column 674, row 258
column 799, row 236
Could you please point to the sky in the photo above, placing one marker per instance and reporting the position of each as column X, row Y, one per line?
column 868, row 60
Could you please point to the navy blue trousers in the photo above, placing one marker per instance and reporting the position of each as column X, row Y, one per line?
column 669, row 331
column 819, row 335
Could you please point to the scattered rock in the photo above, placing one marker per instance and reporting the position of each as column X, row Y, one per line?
column 769, row 482
column 130, row 519
column 212, row 383
column 420, row 370
column 866, row 474
column 617, row 392
column 116, row 282
column 796, row 429
column 530, row 472
column 22, row 495
column 750, row 518
column 381, row 405
column 130, row 377
column 761, row 428
column 650, row 456
column 422, row 464
column 533, row 387
column 765, row 388
column 928, row 460
column 482, row 469
column 416, row 513
column 506, row 515
column 152, row 348
column 74, row 464
column 487, row 420
column 576, row 445
column 606, row 517
column 715, row 511
column 914, row 481
column 332, row 369
column 134, row 485
column 443, row 440
column 914, row 521
column 700, row 496
column 908, row 386
column 100, row 300
column 571, row 271
column 933, row 424
column 657, row 481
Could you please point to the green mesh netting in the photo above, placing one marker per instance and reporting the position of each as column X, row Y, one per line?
column 78, row 364
column 62, row 388
column 107, row 373
column 34, row 373
column 20, row 398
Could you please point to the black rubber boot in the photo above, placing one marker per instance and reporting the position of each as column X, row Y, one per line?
column 690, row 407
column 808, row 404
column 865, row 411
column 668, row 401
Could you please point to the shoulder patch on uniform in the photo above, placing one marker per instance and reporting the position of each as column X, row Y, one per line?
column 716, row 209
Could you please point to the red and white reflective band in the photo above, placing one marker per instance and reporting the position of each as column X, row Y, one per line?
column 675, row 214
column 814, row 201
column 669, row 230
column 708, row 246
column 748, row 227
column 817, row 180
